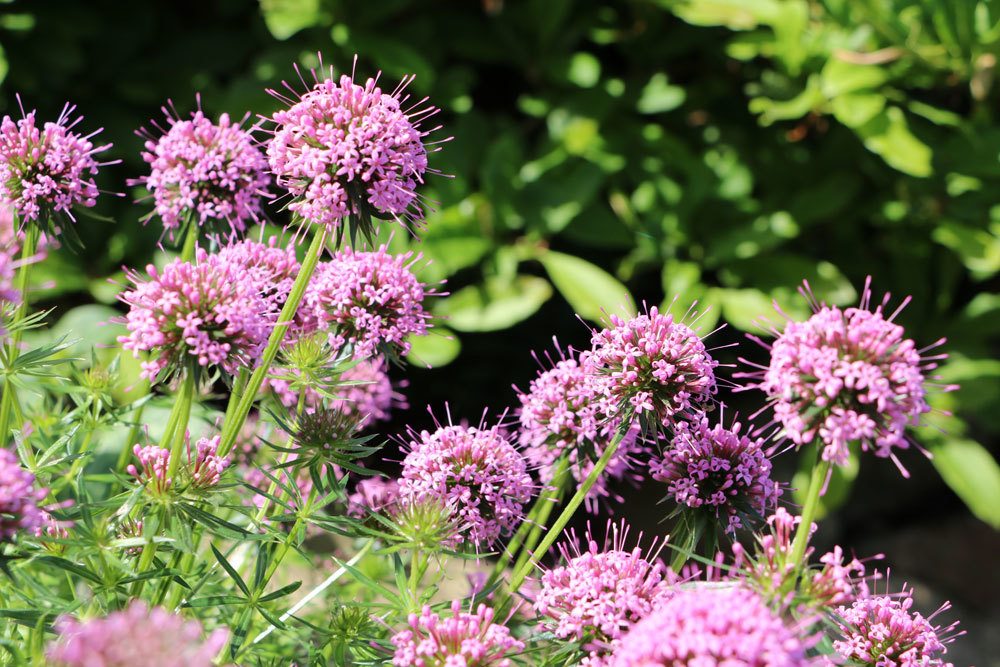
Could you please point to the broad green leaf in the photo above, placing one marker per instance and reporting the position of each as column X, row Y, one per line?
column 584, row 70
column 771, row 110
column 841, row 77
column 590, row 290
column 888, row 135
column 743, row 308
column 973, row 474
column 978, row 248
column 659, row 96
column 284, row 18
column 438, row 348
column 496, row 304
column 856, row 109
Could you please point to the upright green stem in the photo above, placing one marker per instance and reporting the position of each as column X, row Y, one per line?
column 177, row 426
column 190, row 241
column 574, row 504
column 238, row 415
column 817, row 479
column 535, row 520
column 9, row 399
column 538, row 525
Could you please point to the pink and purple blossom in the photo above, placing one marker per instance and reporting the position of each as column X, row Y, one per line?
column 195, row 315
column 19, row 499
column 344, row 149
column 599, row 592
column 718, row 470
column 372, row 494
column 45, row 172
column 654, row 365
column 567, row 412
column 884, row 631
column 204, row 173
column 368, row 300
column 202, row 471
column 365, row 391
column 477, row 470
column 471, row 639
column 271, row 268
column 846, row 376
column 137, row 635
column 712, row 624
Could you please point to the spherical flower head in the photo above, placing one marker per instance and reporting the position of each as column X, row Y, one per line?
column 847, row 376
column 372, row 494
column 204, row 173
column 567, row 411
column 343, row 149
column 718, row 470
column 462, row 639
column 711, row 624
column 136, row 636
column 19, row 498
column 654, row 364
column 271, row 268
column 366, row 392
column 883, row 631
column 478, row 470
column 195, row 315
column 47, row 171
column 368, row 300
column 600, row 592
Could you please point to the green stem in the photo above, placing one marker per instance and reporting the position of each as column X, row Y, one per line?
column 538, row 525
column 238, row 415
column 574, row 504
column 180, row 415
column 190, row 241
column 9, row 399
column 817, row 479
column 535, row 520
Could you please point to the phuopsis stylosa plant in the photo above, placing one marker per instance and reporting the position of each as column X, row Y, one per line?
column 265, row 538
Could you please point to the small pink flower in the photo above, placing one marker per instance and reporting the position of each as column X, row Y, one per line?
column 470, row 639
column 712, row 624
column 365, row 391
column 476, row 470
column 847, row 376
column 567, row 412
column 271, row 268
column 205, row 314
column 718, row 470
column 343, row 149
column 655, row 365
column 598, row 593
column 372, row 493
column 368, row 300
column 19, row 499
column 203, row 469
column 136, row 636
column 883, row 631
column 46, row 172
column 204, row 172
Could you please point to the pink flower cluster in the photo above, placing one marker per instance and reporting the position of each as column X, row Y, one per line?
column 271, row 268
column 654, row 364
column 719, row 470
column 477, row 470
column 19, row 498
column 341, row 147
column 599, row 593
column 711, row 624
column 136, row 636
column 847, row 376
column 567, row 411
column 49, row 170
column 467, row 639
column 367, row 300
column 882, row 631
column 205, row 172
column 205, row 314
column 203, row 470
